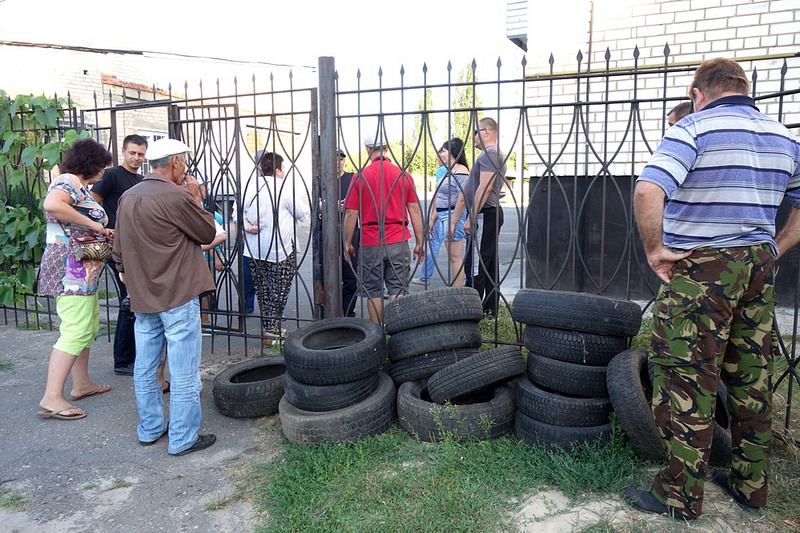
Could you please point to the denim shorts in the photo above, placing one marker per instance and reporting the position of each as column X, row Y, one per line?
column 458, row 234
column 80, row 321
column 388, row 264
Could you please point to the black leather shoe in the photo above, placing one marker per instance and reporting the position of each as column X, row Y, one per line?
column 151, row 442
column 644, row 500
column 202, row 442
column 126, row 370
column 720, row 479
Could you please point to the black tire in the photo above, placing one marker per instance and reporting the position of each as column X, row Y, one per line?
column 631, row 392
column 481, row 371
column 335, row 350
column 560, row 410
column 432, row 307
column 426, row 365
column 490, row 416
column 364, row 419
column 722, row 442
column 318, row 398
column 434, row 338
column 551, row 437
column 588, row 313
column 250, row 388
column 573, row 346
column 583, row 381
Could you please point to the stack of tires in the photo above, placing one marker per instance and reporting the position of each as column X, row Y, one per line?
column 430, row 330
column 448, row 388
column 571, row 338
column 333, row 390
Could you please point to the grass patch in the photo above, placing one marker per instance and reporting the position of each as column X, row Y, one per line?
column 501, row 328
column 642, row 339
column 393, row 482
column 219, row 503
column 5, row 365
column 12, row 500
column 120, row 483
column 104, row 294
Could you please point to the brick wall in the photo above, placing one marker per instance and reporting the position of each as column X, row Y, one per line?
column 756, row 32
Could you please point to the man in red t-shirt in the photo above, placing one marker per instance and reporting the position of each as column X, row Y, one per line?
column 386, row 199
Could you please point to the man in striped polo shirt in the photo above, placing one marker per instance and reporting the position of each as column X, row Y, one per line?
column 705, row 205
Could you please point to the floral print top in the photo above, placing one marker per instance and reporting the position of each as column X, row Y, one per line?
column 60, row 273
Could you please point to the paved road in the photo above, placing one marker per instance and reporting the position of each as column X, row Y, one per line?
column 92, row 475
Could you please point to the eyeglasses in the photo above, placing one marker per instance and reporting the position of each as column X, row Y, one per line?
column 477, row 131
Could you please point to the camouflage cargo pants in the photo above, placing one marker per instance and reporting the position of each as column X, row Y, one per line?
column 712, row 321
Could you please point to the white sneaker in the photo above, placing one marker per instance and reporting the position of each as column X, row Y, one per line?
column 417, row 281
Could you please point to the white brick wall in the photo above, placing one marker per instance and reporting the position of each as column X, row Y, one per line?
column 695, row 30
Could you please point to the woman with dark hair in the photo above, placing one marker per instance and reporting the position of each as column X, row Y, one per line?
column 71, row 210
column 453, row 157
column 270, row 206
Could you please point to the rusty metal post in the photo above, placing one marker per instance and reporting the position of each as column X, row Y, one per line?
column 331, row 232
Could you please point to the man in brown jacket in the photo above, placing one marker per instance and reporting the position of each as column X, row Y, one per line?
column 160, row 228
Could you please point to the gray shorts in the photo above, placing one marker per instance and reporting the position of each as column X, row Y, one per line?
column 385, row 264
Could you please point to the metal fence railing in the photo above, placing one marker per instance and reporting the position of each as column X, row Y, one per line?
column 573, row 144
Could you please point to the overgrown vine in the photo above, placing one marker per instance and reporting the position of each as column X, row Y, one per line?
column 31, row 145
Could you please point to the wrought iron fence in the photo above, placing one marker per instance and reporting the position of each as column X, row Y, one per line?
column 573, row 143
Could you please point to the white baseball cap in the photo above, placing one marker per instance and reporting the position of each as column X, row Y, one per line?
column 369, row 142
column 166, row 147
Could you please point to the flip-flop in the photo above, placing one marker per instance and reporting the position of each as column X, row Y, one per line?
column 101, row 389
column 57, row 414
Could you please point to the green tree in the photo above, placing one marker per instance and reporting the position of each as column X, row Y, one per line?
column 30, row 145
column 462, row 123
column 420, row 151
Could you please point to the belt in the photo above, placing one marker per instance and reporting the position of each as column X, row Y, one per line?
column 443, row 209
column 405, row 223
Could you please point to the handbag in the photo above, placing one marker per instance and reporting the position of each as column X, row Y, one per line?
column 90, row 248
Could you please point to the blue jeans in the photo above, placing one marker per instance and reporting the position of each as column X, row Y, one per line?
column 178, row 330
column 435, row 243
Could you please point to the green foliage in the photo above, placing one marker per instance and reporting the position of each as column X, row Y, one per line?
column 420, row 151
column 21, row 245
column 463, row 122
column 12, row 500
column 422, row 143
column 30, row 145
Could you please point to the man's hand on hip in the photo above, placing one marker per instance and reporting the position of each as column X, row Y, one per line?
column 662, row 261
